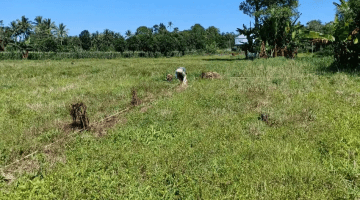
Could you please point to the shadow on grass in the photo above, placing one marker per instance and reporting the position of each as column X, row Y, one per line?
column 226, row 59
column 334, row 67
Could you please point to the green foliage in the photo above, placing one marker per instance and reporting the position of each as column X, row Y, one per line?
column 43, row 35
column 314, row 25
column 275, row 24
column 318, row 35
column 211, row 48
column 85, row 39
column 120, row 44
column 347, row 34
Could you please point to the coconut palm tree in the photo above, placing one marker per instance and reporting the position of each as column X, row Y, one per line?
column 24, row 27
column 14, row 29
column 156, row 28
column 96, row 40
column 61, row 32
column 49, row 26
column 128, row 34
column 170, row 24
column 38, row 20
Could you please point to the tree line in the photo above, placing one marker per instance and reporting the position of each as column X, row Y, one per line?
column 276, row 30
column 44, row 35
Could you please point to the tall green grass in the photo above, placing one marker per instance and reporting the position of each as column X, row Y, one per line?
column 205, row 142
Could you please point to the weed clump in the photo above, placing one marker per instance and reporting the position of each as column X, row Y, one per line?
column 169, row 77
column 210, row 75
column 78, row 113
column 265, row 118
column 135, row 101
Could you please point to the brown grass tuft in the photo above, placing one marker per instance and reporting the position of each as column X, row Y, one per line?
column 135, row 99
column 169, row 77
column 78, row 113
column 210, row 75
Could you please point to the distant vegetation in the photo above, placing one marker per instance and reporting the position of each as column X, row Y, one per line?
column 276, row 32
column 42, row 35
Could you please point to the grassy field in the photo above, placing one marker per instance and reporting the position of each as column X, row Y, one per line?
column 202, row 142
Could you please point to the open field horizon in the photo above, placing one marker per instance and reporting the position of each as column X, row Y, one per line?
column 202, row 142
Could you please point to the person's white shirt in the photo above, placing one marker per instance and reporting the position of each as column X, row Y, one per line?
column 180, row 74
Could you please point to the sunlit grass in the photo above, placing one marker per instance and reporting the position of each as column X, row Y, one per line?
column 205, row 142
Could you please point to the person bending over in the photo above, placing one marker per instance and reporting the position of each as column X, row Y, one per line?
column 180, row 74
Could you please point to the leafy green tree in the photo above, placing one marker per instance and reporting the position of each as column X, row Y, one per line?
column 133, row 43
column 151, row 44
column 181, row 43
column 212, row 35
column 85, row 39
column 198, row 36
column 253, row 8
column 166, row 43
column 119, row 43
column 74, row 43
column 49, row 44
column 274, row 21
column 227, row 40
column 143, row 30
column 314, row 25
column 328, row 28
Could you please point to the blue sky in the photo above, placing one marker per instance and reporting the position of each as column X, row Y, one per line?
column 120, row 16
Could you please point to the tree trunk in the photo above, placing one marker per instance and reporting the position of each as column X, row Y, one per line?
column 275, row 51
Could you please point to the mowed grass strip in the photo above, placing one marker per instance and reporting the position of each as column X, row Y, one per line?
column 205, row 142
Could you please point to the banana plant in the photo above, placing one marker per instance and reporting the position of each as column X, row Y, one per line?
column 347, row 33
column 345, row 24
column 249, row 33
column 317, row 35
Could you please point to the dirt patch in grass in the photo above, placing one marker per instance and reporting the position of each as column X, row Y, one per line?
column 29, row 165
column 7, row 177
column 144, row 109
column 100, row 129
column 55, row 153
column 181, row 87
column 210, row 75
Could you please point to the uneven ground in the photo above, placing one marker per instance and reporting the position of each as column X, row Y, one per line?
column 206, row 141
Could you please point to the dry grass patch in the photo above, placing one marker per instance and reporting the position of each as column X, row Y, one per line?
column 210, row 75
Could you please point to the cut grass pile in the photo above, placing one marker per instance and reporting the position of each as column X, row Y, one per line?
column 205, row 142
